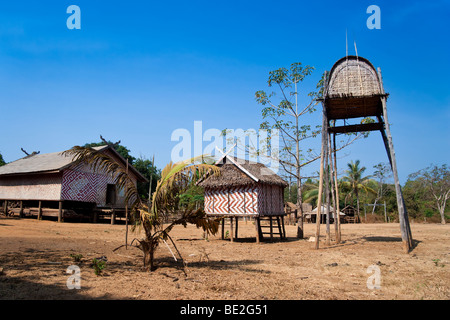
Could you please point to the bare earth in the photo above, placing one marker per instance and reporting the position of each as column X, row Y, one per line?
column 34, row 256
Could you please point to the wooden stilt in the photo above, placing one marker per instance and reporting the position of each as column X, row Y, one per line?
column 60, row 217
column 336, row 189
column 279, row 227
column 405, row 228
column 258, row 229
column 223, row 228
column 113, row 216
column 271, row 228
column 39, row 216
column 284, row 230
column 231, row 229
column 5, row 207
column 21, row 210
column 319, row 199
column 327, row 191
column 236, row 234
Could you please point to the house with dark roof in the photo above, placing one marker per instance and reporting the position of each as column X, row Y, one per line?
column 245, row 189
column 55, row 180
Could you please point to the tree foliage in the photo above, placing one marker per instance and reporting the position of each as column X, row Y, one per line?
column 175, row 179
column 2, row 162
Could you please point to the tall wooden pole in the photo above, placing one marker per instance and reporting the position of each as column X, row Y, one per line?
column 322, row 155
column 126, row 213
column 327, row 190
column 405, row 228
column 336, row 187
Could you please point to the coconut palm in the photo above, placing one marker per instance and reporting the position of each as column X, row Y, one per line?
column 355, row 182
column 176, row 178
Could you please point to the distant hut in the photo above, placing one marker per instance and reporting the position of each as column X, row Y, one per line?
column 350, row 214
column 53, row 184
column 245, row 189
column 291, row 210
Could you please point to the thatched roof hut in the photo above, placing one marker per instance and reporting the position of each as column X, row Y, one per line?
column 243, row 188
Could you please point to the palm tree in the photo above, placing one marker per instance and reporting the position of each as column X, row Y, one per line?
column 176, row 178
column 355, row 182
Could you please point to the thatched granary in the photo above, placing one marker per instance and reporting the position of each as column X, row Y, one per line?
column 244, row 189
column 354, row 89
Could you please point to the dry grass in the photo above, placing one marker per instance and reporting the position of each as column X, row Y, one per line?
column 34, row 256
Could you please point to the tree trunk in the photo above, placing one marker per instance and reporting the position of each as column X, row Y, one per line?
column 148, row 248
column 300, row 233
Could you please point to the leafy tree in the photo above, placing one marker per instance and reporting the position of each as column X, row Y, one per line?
column 175, row 179
column 2, row 162
column 122, row 150
column 436, row 180
column 355, row 182
column 284, row 114
column 150, row 172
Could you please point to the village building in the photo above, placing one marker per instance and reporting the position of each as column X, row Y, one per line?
column 245, row 189
column 53, row 184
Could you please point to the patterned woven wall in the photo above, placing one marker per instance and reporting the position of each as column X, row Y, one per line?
column 31, row 187
column 259, row 199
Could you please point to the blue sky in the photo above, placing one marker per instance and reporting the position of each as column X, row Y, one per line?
column 138, row 70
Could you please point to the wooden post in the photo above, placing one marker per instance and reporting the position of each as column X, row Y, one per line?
column 279, row 227
column 405, row 228
column 231, row 229
column 126, row 213
column 21, row 209
column 284, row 230
column 271, row 228
column 113, row 216
column 236, row 234
column 338, row 210
column 322, row 154
column 223, row 228
column 5, row 207
column 257, row 229
column 327, row 190
column 39, row 216
column 60, row 211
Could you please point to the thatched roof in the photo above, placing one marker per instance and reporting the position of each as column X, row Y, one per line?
column 238, row 172
column 354, row 89
column 52, row 162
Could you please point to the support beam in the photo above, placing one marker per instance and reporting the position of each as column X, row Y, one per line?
column 231, row 230
column 21, row 209
column 60, row 211
column 322, row 155
column 357, row 128
column 258, row 229
column 39, row 215
column 405, row 228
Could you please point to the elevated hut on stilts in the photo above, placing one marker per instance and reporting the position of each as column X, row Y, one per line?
column 354, row 89
column 245, row 189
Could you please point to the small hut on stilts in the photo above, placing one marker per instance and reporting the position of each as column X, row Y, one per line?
column 245, row 189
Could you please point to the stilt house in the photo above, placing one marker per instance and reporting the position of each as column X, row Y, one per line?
column 245, row 189
column 54, row 180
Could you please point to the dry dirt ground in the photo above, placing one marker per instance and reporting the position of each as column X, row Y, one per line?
column 34, row 257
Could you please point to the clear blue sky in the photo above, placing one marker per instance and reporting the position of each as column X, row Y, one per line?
column 138, row 70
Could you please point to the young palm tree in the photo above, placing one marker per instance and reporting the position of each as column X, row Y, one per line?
column 176, row 178
column 355, row 182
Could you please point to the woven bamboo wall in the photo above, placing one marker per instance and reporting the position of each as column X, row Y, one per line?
column 353, row 76
column 258, row 199
column 31, row 187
